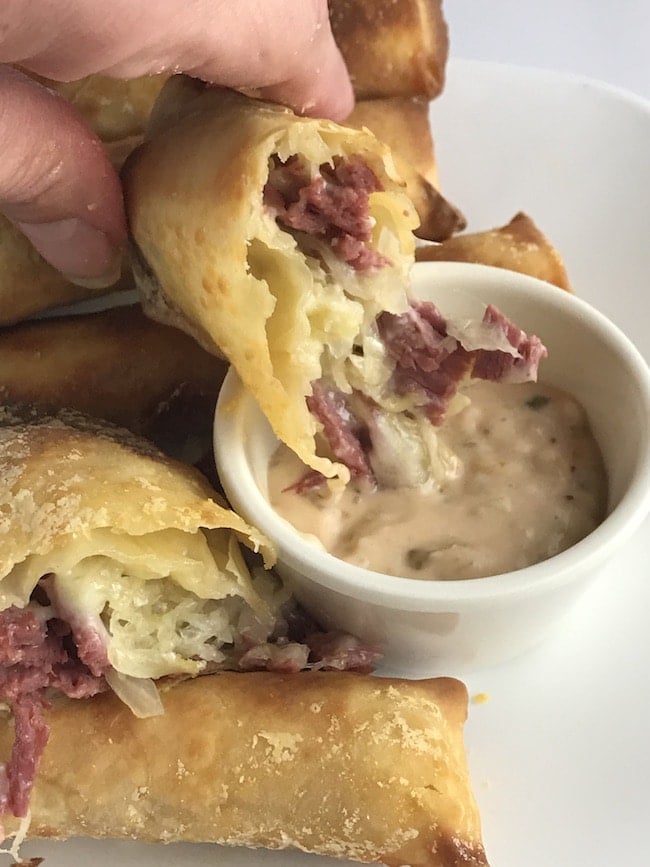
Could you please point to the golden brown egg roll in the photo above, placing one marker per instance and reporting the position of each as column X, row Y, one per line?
column 118, row 567
column 117, row 365
column 82, row 497
column 219, row 252
column 286, row 243
column 403, row 124
column 518, row 246
column 339, row 764
column 392, row 47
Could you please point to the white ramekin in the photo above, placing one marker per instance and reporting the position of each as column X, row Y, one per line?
column 429, row 627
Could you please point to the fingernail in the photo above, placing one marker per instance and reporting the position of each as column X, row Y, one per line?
column 84, row 254
column 104, row 281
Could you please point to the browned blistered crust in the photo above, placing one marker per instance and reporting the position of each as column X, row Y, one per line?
column 339, row 764
column 392, row 47
column 117, row 365
column 403, row 124
column 63, row 476
column 518, row 246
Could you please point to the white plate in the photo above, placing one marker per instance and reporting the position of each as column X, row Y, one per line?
column 559, row 753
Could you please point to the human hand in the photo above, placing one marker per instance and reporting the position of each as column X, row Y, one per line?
column 56, row 182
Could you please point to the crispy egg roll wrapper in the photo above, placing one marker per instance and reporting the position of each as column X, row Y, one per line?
column 73, row 489
column 392, row 47
column 210, row 258
column 117, row 365
column 518, row 246
column 403, row 124
column 338, row 764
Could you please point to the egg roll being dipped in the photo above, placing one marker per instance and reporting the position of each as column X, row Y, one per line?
column 282, row 292
column 286, row 244
column 340, row 764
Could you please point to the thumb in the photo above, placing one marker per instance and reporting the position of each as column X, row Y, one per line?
column 57, row 184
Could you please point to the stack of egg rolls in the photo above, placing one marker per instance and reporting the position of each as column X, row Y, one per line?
column 396, row 53
column 121, row 577
column 120, row 366
column 127, row 564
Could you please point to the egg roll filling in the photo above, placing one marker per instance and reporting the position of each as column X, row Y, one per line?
column 377, row 400
column 333, row 206
column 114, row 622
column 388, row 440
column 377, row 405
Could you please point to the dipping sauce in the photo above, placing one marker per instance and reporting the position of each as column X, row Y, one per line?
column 529, row 482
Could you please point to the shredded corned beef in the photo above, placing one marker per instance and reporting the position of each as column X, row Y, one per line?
column 340, row 428
column 501, row 366
column 333, row 205
column 325, row 651
column 310, row 481
column 427, row 359
column 30, row 737
column 417, row 339
column 438, row 386
column 40, row 652
column 36, row 654
column 428, row 362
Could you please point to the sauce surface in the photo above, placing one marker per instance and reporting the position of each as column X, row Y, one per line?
column 529, row 483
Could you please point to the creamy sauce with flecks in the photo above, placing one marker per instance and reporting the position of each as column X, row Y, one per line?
column 530, row 483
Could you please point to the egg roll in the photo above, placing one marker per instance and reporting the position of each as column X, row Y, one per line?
column 286, row 243
column 219, row 251
column 392, row 47
column 121, row 569
column 117, row 567
column 403, row 124
column 518, row 246
column 340, row 764
column 121, row 366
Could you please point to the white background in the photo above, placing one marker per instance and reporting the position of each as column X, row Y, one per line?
column 604, row 39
